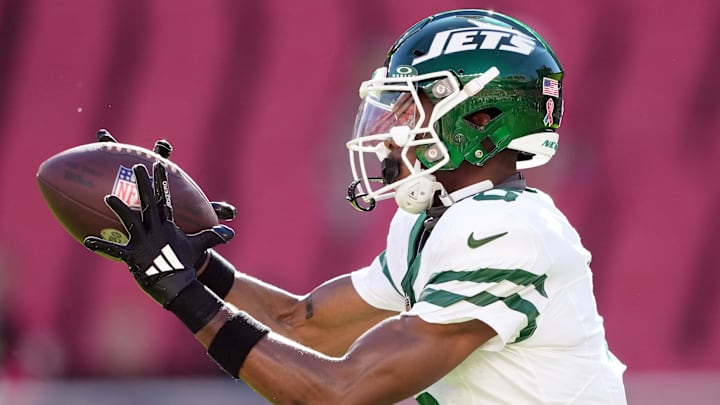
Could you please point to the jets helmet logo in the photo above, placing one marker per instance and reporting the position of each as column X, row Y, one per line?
column 483, row 36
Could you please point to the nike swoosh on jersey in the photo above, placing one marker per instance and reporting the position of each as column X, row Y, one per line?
column 476, row 243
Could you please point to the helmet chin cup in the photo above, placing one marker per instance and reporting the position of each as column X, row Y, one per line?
column 417, row 195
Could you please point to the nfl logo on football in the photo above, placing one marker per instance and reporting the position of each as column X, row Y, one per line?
column 125, row 187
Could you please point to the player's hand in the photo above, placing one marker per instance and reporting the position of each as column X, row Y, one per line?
column 103, row 135
column 159, row 255
column 224, row 210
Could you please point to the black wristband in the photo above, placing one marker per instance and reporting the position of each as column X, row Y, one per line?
column 219, row 274
column 234, row 341
column 195, row 306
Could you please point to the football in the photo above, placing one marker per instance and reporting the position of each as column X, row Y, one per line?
column 74, row 184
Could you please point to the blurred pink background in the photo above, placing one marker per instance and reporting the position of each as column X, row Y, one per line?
column 259, row 97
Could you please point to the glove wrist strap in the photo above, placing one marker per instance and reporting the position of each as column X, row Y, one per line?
column 195, row 306
column 219, row 274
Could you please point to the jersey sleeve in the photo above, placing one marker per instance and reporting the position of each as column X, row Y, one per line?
column 374, row 286
column 494, row 273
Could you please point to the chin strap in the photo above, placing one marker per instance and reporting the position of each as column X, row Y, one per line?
column 445, row 198
column 411, row 196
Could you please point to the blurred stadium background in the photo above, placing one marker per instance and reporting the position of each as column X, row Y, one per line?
column 258, row 99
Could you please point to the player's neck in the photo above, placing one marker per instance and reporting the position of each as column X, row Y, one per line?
column 496, row 170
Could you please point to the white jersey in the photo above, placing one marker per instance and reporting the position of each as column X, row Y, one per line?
column 511, row 259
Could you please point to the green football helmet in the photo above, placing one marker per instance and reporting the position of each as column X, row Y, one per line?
column 463, row 62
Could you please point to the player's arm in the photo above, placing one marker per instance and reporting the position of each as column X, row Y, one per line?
column 328, row 319
column 332, row 309
column 393, row 361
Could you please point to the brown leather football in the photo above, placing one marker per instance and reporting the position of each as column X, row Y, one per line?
column 75, row 182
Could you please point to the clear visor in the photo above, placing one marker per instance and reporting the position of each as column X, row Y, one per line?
column 381, row 111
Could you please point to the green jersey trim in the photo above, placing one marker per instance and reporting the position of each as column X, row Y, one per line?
column 413, row 259
column 386, row 270
column 488, row 275
column 515, row 302
column 426, row 399
column 509, row 196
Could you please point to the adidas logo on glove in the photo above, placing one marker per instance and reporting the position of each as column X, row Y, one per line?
column 164, row 262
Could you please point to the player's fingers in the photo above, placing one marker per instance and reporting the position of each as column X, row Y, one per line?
column 224, row 232
column 211, row 237
column 223, row 210
column 103, row 135
column 109, row 248
column 148, row 206
column 163, row 148
column 162, row 191
column 129, row 218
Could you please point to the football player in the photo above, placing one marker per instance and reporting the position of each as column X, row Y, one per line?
column 484, row 292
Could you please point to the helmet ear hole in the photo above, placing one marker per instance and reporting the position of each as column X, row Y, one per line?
column 480, row 118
